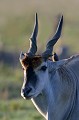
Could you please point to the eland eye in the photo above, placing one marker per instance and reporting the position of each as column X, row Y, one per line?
column 43, row 68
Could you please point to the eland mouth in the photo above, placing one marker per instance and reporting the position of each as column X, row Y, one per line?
column 28, row 94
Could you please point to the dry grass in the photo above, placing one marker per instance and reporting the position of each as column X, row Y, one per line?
column 17, row 16
column 16, row 24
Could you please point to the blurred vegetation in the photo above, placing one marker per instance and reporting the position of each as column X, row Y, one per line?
column 16, row 24
column 18, row 109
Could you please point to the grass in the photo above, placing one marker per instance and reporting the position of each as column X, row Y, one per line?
column 18, row 109
column 16, row 24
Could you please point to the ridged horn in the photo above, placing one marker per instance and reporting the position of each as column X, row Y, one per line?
column 33, row 45
column 51, row 43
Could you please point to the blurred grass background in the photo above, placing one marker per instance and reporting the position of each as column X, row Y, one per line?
column 16, row 24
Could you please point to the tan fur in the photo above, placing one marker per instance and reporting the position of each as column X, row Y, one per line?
column 34, row 62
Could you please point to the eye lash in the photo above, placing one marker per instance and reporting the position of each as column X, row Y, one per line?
column 43, row 68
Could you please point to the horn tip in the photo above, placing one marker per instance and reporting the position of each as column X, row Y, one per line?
column 61, row 18
column 36, row 15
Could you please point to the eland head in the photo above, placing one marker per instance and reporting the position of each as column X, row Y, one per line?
column 36, row 71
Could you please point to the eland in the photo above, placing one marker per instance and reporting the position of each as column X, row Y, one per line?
column 53, row 86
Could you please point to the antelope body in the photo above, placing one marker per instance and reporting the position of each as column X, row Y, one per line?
column 53, row 87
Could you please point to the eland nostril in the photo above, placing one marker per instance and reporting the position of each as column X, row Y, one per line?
column 26, row 91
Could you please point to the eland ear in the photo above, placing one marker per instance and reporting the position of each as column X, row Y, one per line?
column 22, row 56
column 55, row 56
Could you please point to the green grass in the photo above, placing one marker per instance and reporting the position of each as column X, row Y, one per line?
column 16, row 24
column 18, row 109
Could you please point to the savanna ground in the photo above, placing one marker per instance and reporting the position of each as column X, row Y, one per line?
column 16, row 24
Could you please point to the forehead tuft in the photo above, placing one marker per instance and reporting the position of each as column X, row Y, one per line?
column 34, row 62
